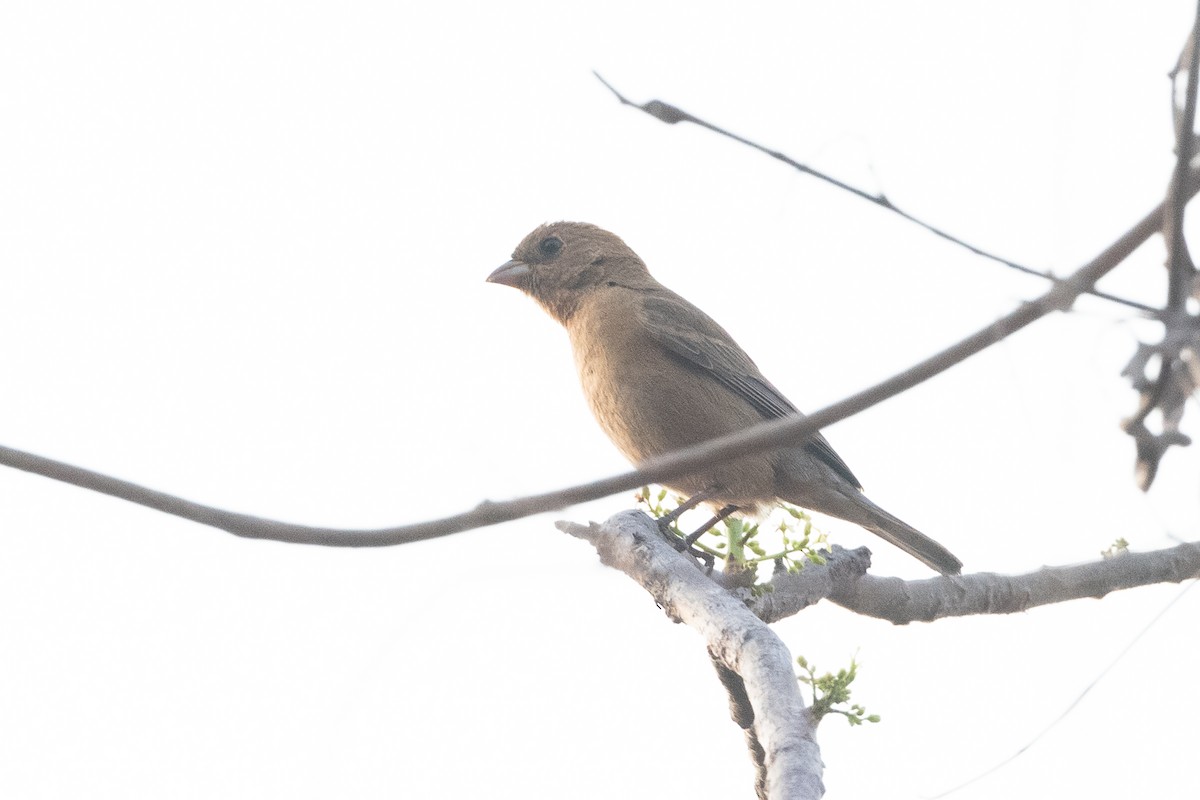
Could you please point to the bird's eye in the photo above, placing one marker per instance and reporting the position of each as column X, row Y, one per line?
column 550, row 246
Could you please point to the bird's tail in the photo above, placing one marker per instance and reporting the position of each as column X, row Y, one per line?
column 910, row 540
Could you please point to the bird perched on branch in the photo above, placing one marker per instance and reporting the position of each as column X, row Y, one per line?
column 660, row 375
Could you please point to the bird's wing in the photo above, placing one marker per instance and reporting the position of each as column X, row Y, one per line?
column 705, row 345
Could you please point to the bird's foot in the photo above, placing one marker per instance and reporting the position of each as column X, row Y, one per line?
column 687, row 544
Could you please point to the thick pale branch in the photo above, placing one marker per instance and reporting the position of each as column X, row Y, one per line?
column 755, row 667
column 842, row 580
column 659, row 470
column 739, row 641
column 792, row 592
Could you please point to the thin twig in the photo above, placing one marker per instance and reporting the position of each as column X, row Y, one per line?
column 665, row 112
column 664, row 468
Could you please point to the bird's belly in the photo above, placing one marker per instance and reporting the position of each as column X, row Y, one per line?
column 656, row 405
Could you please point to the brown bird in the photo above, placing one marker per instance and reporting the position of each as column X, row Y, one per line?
column 660, row 375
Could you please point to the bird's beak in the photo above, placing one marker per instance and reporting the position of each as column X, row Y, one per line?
column 511, row 273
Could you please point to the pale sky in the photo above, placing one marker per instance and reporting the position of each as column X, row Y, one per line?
column 244, row 247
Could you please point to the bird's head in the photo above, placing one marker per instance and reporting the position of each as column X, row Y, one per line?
column 561, row 264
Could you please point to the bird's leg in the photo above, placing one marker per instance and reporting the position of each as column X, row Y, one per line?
column 687, row 545
column 691, row 538
column 664, row 522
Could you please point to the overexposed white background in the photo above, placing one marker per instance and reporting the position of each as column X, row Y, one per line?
column 242, row 250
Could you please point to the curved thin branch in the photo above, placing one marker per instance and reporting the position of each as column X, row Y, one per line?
column 659, row 470
column 665, row 112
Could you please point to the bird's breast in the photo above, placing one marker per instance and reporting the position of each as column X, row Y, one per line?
column 650, row 402
column 618, row 374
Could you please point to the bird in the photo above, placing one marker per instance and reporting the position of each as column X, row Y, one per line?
column 659, row 375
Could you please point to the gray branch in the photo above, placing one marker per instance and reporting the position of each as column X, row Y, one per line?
column 777, row 723
column 1176, row 379
column 755, row 667
column 843, row 580
column 688, row 461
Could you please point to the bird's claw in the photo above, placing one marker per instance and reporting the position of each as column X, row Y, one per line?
column 687, row 544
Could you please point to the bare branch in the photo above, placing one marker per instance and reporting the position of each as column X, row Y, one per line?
column 843, row 580
column 665, row 112
column 742, row 712
column 792, row 592
column 755, row 667
column 738, row 641
column 659, row 470
column 1181, row 270
column 1176, row 380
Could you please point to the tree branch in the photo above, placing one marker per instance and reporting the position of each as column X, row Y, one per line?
column 742, row 712
column 755, row 667
column 843, row 580
column 665, row 112
column 737, row 640
column 1177, row 377
column 1181, row 269
column 662, row 469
